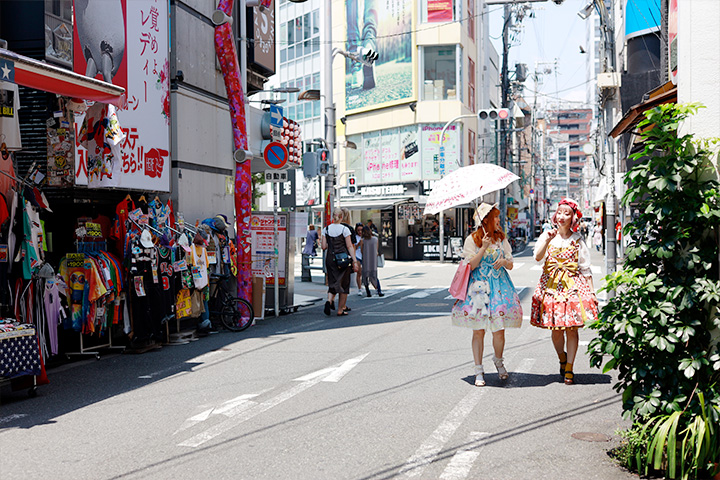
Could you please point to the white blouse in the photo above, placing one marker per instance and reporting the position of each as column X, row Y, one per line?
column 559, row 242
column 470, row 249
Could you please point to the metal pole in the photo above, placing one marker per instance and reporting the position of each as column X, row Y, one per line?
column 608, row 108
column 505, row 103
column 329, row 98
column 441, row 149
column 276, row 246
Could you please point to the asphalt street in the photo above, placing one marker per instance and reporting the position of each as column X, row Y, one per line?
column 385, row 392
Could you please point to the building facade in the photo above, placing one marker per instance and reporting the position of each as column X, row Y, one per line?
column 435, row 64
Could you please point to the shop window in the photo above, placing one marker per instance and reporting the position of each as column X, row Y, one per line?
column 440, row 72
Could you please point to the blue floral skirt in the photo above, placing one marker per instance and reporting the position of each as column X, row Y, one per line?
column 491, row 303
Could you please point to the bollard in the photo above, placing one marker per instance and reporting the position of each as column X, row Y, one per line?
column 306, row 275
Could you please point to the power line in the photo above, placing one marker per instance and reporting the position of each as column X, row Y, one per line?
column 409, row 32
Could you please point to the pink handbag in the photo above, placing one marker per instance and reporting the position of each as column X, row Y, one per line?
column 458, row 287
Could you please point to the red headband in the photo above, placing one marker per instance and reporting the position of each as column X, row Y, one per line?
column 573, row 205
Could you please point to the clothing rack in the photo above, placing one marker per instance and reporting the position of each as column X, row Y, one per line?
column 109, row 345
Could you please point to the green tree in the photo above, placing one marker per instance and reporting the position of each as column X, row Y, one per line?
column 657, row 330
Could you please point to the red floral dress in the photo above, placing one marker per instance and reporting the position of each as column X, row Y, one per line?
column 563, row 297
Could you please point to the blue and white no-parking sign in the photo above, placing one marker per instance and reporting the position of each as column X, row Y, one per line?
column 276, row 155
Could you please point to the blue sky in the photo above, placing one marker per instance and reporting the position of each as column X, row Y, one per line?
column 555, row 32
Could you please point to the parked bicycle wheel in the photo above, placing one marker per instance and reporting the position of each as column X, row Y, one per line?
column 237, row 314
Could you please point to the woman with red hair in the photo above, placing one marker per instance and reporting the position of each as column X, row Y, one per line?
column 564, row 298
column 491, row 302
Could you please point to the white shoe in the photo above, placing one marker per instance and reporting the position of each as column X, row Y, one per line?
column 359, row 293
column 479, row 376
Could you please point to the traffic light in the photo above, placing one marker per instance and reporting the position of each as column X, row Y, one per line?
column 323, row 161
column 369, row 55
column 494, row 114
column 310, row 164
column 351, row 186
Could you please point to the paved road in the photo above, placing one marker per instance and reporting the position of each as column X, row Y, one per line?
column 385, row 392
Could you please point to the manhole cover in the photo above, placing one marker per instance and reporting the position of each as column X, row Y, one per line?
column 591, row 437
column 431, row 304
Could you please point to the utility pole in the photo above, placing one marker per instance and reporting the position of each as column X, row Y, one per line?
column 329, row 104
column 505, row 103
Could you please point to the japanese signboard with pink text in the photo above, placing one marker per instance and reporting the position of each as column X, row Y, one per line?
column 125, row 43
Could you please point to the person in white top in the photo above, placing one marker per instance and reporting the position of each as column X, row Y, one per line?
column 564, row 299
column 336, row 241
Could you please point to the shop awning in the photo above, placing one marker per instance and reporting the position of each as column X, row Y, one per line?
column 35, row 74
column 664, row 94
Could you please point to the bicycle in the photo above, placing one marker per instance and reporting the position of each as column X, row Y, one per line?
column 234, row 313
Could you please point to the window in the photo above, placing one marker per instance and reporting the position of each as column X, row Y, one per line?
column 471, row 19
column 440, row 72
column 471, row 85
column 300, row 36
column 471, row 147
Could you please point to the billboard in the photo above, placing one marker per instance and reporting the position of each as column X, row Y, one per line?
column 386, row 27
column 126, row 43
column 434, row 167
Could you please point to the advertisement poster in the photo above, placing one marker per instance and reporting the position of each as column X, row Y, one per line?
column 390, row 155
column 410, row 170
column 433, row 165
column 354, row 158
column 372, row 166
column 126, row 43
column 262, row 234
column 383, row 26
column 439, row 10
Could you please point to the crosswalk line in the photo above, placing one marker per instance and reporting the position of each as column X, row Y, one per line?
column 460, row 464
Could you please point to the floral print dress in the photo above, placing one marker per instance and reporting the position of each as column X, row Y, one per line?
column 563, row 297
column 492, row 302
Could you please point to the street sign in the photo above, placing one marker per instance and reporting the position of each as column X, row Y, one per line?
column 276, row 176
column 276, row 116
column 276, row 155
column 276, row 133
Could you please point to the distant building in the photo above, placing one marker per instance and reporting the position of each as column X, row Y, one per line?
column 568, row 131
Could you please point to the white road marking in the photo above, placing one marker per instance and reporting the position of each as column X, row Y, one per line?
column 461, row 463
column 343, row 369
column 449, row 297
column 595, row 269
column 518, row 265
column 229, row 408
column 246, row 413
column 536, row 267
column 12, row 417
column 428, row 451
column 406, row 314
column 584, row 343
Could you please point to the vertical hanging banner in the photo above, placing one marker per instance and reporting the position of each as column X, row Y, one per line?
column 125, row 43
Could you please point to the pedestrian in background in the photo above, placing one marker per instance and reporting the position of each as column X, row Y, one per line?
column 597, row 236
column 358, row 254
column 311, row 238
column 336, row 240
column 370, row 253
column 564, row 299
column 492, row 302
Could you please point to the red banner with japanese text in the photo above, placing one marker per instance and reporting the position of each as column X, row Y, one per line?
column 439, row 10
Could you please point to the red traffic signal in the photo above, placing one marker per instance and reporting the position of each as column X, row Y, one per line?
column 494, row 114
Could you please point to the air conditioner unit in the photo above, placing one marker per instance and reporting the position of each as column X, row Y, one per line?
column 609, row 80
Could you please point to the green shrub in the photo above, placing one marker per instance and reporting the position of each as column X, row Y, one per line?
column 656, row 330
